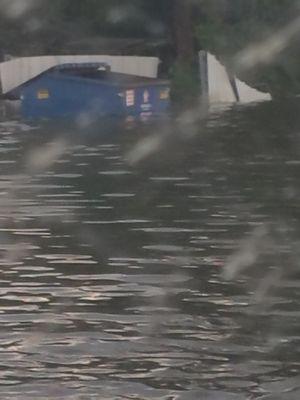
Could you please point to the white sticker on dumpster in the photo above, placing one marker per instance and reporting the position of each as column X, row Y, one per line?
column 146, row 96
column 129, row 98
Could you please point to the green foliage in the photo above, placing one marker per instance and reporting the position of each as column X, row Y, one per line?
column 185, row 84
column 230, row 28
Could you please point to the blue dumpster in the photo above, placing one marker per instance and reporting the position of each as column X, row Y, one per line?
column 93, row 90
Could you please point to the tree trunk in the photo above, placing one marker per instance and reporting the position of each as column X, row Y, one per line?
column 185, row 82
column 183, row 31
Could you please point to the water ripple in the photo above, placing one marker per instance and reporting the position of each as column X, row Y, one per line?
column 111, row 280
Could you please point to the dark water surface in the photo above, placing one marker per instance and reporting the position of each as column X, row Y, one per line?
column 113, row 273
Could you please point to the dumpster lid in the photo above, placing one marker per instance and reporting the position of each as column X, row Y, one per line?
column 78, row 66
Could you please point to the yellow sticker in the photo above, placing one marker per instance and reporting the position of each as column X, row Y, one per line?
column 43, row 94
column 164, row 94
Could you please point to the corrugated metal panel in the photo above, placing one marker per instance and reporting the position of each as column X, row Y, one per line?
column 248, row 94
column 17, row 71
column 220, row 89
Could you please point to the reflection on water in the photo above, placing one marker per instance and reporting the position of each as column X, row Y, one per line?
column 112, row 275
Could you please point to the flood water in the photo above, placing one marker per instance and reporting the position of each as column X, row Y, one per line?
column 171, row 274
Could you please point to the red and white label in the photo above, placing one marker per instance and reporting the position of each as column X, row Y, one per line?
column 129, row 98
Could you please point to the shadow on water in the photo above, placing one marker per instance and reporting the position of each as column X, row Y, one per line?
column 155, row 261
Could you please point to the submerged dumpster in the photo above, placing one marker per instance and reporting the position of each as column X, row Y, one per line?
column 91, row 90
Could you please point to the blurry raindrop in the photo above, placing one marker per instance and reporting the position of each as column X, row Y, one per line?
column 155, row 28
column 33, row 24
column 265, row 51
column 248, row 253
column 119, row 14
column 43, row 157
column 144, row 149
column 16, row 8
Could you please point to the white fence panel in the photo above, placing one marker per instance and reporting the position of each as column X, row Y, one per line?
column 20, row 70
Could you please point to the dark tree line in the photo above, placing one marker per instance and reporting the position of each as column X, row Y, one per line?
column 172, row 29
